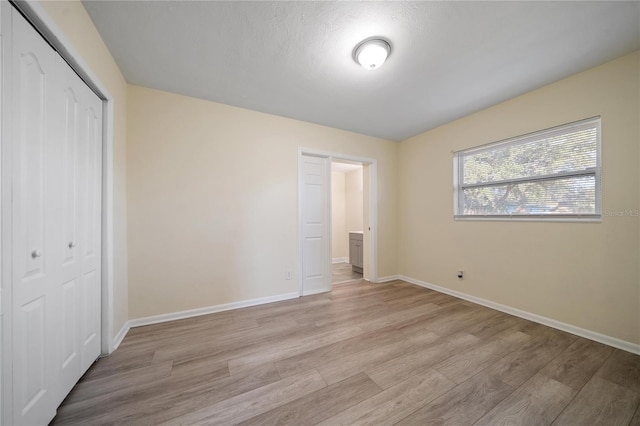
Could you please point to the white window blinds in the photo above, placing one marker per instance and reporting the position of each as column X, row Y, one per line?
column 553, row 173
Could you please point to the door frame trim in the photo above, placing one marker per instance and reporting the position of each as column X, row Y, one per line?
column 372, row 164
column 42, row 21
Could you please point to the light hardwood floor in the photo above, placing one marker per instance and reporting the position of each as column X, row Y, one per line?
column 342, row 273
column 379, row 354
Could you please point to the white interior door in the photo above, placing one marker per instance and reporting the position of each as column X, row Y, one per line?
column 316, row 256
column 34, row 192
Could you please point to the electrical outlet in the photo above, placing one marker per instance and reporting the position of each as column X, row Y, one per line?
column 288, row 275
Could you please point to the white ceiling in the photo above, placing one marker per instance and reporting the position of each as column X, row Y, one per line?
column 294, row 59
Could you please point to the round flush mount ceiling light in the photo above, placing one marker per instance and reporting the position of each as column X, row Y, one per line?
column 372, row 53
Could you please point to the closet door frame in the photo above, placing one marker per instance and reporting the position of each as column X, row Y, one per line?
column 41, row 20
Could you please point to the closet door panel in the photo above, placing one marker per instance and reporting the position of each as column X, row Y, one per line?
column 70, row 172
column 32, row 369
column 68, row 283
column 69, row 345
column 29, row 178
column 34, row 186
column 70, row 337
column 90, row 220
column 90, row 322
column 88, row 195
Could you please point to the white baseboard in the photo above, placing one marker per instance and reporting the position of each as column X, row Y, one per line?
column 121, row 335
column 588, row 334
column 156, row 319
column 387, row 279
column 340, row 260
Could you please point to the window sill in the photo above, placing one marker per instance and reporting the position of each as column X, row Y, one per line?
column 531, row 218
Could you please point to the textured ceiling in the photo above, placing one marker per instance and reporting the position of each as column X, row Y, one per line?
column 294, row 59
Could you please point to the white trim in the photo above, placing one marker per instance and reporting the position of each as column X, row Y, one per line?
column 340, row 260
column 121, row 335
column 300, row 227
column 388, row 278
column 6, row 369
column 108, row 265
column 588, row 334
column 373, row 208
column 6, row 351
column 56, row 37
column 156, row 319
column 528, row 218
column 373, row 222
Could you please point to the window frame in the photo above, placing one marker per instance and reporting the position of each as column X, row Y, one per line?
column 458, row 187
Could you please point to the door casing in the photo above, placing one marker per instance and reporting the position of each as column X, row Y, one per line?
column 371, row 270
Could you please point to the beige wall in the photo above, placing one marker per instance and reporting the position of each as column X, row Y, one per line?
column 212, row 200
column 346, row 209
column 583, row 274
column 339, row 243
column 73, row 20
column 353, row 200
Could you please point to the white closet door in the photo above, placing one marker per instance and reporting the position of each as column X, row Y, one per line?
column 56, row 223
column 69, row 356
column 89, row 219
column 35, row 191
column 78, row 242
column 316, row 274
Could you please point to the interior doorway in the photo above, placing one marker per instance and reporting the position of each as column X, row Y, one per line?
column 347, row 221
column 316, row 258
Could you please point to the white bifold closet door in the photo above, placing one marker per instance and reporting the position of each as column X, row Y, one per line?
column 56, row 145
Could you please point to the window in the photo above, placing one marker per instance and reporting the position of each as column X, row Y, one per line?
column 551, row 174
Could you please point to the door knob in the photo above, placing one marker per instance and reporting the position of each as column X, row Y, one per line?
column 35, row 254
column 71, row 245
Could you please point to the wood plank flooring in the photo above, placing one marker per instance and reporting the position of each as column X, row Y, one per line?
column 380, row 354
column 342, row 273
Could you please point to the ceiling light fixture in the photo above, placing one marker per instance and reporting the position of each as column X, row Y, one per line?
column 371, row 53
